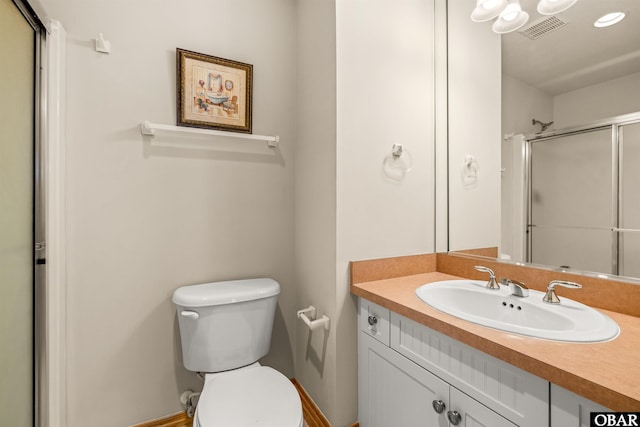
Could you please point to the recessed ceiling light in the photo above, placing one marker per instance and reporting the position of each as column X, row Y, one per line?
column 609, row 19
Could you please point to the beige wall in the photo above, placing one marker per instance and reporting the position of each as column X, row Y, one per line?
column 315, row 198
column 592, row 103
column 147, row 216
column 522, row 102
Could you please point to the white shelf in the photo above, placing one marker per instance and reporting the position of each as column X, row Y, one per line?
column 148, row 128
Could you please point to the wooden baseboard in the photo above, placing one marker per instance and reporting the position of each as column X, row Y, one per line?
column 313, row 417
column 312, row 414
column 177, row 420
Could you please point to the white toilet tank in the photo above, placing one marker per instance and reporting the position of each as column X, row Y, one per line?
column 225, row 325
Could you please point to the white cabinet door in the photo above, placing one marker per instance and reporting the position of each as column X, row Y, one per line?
column 517, row 395
column 472, row 413
column 570, row 410
column 395, row 392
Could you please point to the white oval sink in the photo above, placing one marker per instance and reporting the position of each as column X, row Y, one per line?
column 470, row 300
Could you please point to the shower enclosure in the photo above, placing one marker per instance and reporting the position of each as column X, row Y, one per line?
column 583, row 197
column 21, row 225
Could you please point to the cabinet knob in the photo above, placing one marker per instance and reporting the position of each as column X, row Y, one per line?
column 439, row 406
column 373, row 320
column 454, row 417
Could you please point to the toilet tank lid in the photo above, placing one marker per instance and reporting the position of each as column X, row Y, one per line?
column 228, row 292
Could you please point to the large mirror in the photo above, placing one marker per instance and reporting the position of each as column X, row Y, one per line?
column 569, row 136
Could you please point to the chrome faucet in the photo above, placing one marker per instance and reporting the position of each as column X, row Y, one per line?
column 551, row 297
column 517, row 289
column 491, row 284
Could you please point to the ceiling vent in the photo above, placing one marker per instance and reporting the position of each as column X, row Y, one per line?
column 542, row 26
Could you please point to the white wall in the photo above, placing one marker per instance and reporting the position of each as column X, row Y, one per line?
column 608, row 99
column 520, row 104
column 474, row 129
column 346, row 209
column 145, row 217
column 385, row 87
column 385, row 96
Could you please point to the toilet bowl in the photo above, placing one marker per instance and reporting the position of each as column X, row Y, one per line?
column 225, row 328
column 254, row 395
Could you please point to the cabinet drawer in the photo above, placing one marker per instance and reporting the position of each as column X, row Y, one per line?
column 374, row 320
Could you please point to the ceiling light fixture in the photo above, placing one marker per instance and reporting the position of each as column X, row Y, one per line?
column 510, row 14
column 511, row 18
column 486, row 10
column 552, row 7
column 609, row 19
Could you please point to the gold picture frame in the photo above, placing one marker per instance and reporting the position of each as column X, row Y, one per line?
column 212, row 92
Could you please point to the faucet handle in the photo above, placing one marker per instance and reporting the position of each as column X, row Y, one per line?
column 491, row 284
column 551, row 297
column 517, row 289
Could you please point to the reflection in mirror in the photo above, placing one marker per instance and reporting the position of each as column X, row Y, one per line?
column 630, row 198
column 566, row 200
column 570, row 216
column 577, row 199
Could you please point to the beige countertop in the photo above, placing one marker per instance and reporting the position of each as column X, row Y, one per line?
column 607, row 373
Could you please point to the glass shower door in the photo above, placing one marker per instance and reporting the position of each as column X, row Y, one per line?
column 17, row 47
column 630, row 200
column 571, row 215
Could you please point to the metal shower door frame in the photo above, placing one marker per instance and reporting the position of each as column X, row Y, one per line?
column 39, row 205
column 614, row 124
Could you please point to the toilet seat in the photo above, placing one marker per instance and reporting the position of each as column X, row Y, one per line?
column 255, row 395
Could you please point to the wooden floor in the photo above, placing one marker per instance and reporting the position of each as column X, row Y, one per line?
column 181, row 420
column 177, row 420
column 313, row 417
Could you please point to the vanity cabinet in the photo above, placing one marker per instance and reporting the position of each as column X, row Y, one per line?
column 404, row 366
column 570, row 410
column 395, row 391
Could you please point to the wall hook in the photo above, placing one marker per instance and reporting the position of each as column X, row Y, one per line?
column 396, row 150
column 102, row 45
column 470, row 171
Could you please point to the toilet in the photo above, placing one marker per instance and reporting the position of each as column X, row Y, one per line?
column 225, row 327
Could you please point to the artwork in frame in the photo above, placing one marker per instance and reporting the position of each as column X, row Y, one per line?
column 212, row 92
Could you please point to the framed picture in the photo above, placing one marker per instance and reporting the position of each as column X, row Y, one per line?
column 212, row 92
